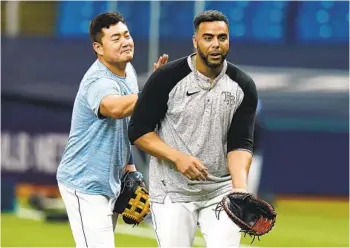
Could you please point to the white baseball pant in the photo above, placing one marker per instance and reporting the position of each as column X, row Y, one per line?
column 91, row 218
column 175, row 224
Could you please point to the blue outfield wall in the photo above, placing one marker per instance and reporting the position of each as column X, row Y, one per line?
column 306, row 162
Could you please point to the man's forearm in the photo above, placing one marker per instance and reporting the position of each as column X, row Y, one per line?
column 152, row 144
column 118, row 107
column 239, row 163
column 129, row 106
column 128, row 110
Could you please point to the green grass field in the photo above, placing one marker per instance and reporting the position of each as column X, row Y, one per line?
column 299, row 223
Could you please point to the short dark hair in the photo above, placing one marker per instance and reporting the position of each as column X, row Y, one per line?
column 209, row 16
column 101, row 21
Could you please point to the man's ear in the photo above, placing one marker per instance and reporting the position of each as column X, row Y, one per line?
column 194, row 41
column 98, row 48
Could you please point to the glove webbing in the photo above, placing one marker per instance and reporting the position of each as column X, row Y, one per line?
column 138, row 205
column 220, row 208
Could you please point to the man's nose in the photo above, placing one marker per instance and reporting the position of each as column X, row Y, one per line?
column 215, row 42
column 125, row 44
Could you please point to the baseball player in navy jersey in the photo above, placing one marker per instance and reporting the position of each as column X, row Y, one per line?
column 195, row 117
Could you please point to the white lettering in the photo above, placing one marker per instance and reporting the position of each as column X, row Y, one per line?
column 23, row 144
column 5, row 151
column 14, row 152
column 21, row 152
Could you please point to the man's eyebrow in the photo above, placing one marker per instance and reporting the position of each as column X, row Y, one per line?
column 208, row 34
column 119, row 34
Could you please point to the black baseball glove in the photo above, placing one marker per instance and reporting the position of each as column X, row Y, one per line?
column 254, row 216
column 133, row 201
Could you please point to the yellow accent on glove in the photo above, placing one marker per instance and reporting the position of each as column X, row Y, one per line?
column 138, row 207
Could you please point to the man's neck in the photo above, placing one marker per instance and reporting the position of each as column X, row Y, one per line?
column 211, row 73
column 117, row 68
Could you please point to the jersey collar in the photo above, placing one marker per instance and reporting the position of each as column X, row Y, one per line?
column 203, row 81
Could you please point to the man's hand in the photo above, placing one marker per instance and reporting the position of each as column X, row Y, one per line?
column 129, row 167
column 161, row 61
column 191, row 168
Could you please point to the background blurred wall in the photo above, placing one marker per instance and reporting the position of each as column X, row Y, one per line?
column 297, row 53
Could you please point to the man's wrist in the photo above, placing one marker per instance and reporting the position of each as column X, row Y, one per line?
column 243, row 190
column 174, row 156
column 130, row 167
column 239, row 187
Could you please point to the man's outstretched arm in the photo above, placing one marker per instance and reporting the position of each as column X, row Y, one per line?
column 240, row 139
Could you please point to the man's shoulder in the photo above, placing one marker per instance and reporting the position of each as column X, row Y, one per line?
column 171, row 73
column 94, row 67
column 97, row 71
column 238, row 75
column 175, row 66
column 167, row 76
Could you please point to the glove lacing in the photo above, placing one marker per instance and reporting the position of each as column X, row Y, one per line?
column 218, row 210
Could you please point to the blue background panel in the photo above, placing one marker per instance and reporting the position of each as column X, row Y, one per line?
column 74, row 17
column 137, row 16
column 325, row 22
column 254, row 21
column 176, row 20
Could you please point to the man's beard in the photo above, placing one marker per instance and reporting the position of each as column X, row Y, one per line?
column 206, row 60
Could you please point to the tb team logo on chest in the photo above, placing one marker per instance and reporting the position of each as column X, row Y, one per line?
column 229, row 97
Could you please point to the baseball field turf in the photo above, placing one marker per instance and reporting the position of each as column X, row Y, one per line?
column 300, row 223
